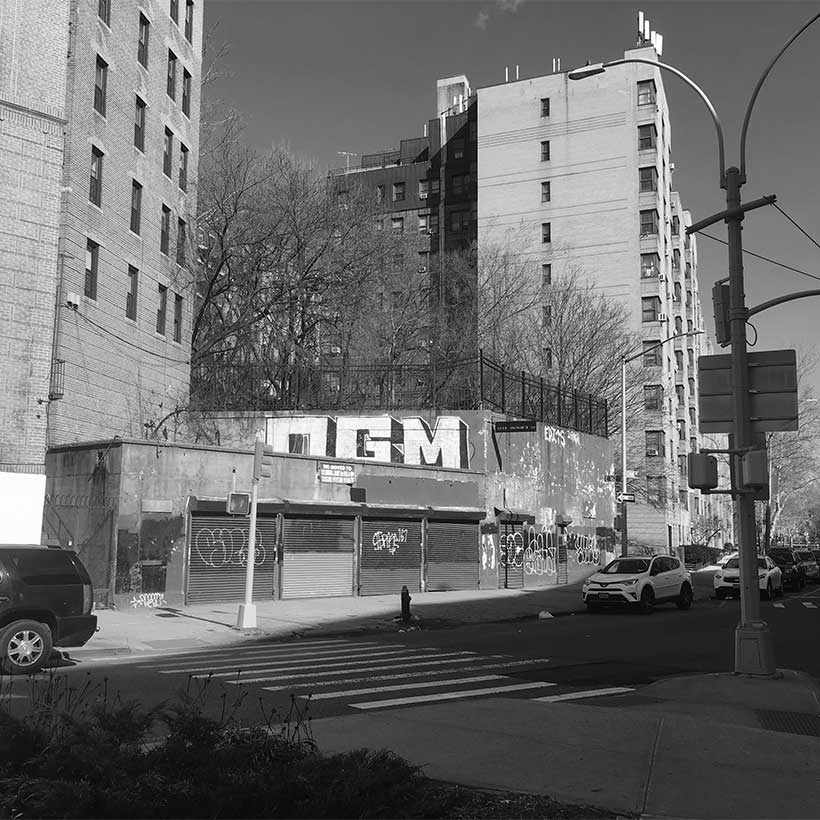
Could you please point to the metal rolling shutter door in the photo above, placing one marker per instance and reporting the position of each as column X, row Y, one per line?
column 452, row 556
column 511, row 555
column 216, row 558
column 391, row 557
column 317, row 557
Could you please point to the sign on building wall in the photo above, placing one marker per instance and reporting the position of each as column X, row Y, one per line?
column 375, row 438
column 331, row 473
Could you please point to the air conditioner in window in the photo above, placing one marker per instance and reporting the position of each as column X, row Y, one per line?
column 651, row 451
column 422, row 194
column 662, row 317
column 661, row 277
column 422, row 269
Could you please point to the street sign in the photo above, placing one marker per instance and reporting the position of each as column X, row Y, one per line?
column 772, row 392
column 621, row 497
column 514, row 426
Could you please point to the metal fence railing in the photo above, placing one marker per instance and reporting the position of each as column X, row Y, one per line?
column 473, row 384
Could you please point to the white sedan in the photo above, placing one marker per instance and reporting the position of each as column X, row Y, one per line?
column 769, row 577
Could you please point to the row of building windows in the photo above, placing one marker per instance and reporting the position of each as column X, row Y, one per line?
column 459, row 186
column 92, row 261
column 104, row 13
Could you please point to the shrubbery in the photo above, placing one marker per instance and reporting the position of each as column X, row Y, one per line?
column 700, row 554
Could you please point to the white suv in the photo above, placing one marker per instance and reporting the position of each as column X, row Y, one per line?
column 639, row 581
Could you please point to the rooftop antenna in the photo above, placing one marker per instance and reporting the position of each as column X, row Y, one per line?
column 347, row 155
column 646, row 36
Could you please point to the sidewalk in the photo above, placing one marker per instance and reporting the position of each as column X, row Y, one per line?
column 122, row 632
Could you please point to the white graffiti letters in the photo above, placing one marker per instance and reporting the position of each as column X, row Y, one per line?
column 389, row 541
column 222, row 547
column 586, row 548
column 488, row 551
column 148, row 599
column 556, row 435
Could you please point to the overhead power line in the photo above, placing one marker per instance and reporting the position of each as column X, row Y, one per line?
column 760, row 256
column 799, row 228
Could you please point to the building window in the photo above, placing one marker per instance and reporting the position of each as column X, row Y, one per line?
column 648, row 179
column 681, row 430
column 649, row 223
column 104, row 11
column 379, row 193
column 676, row 260
column 171, row 83
column 434, row 186
column 546, row 274
column 139, row 124
column 650, row 308
column 165, row 230
column 547, row 351
column 692, row 419
column 651, row 354
column 95, row 181
column 679, row 359
column 189, row 20
column 646, row 92
column 654, row 442
column 136, row 206
column 174, row 11
column 423, row 227
column 434, row 223
column 546, row 232
column 656, row 489
column 647, row 137
column 650, row 264
column 397, row 224
column 181, row 239
column 457, row 148
column 186, row 92
column 92, row 255
column 459, row 183
column 683, row 467
column 546, row 315
column 460, row 221
column 424, row 188
column 652, row 397
column 680, row 395
column 131, row 296
column 177, row 318
column 678, row 293
column 545, row 151
column 690, row 355
column 678, row 325
column 142, row 42
column 545, row 106
column 162, row 308
column 675, row 225
column 100, row 84
column 545, row 192
column 398, row 191
column 183, row 166
column 168, row 153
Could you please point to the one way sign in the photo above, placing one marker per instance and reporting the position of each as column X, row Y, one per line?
column 625, row 497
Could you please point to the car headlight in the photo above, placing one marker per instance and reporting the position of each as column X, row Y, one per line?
column 586, row 583
column 718, row 576
column 631, row 582
column 761, row 575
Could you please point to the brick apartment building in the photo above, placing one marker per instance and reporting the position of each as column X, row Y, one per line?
column 98, row 156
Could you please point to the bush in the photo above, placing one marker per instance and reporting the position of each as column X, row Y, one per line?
column 699, row 554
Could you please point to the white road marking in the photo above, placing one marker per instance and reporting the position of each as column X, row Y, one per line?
column 479, row 667
column 779, row 606
column 467, row 693
column 268, row 679
column 589, row 693
column 333, row 668
column 809, row 605
column 429, row 684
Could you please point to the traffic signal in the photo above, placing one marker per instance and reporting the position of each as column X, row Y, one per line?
column 238, row 504
column 703, row 471
column 262, row 460
column 720, row 303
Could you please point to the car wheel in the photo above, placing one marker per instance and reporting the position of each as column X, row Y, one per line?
column 768, row 593
column 25, row 646
column 647, row 602
column 685, row 598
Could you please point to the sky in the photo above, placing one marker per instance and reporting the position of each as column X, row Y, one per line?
column 324, row 76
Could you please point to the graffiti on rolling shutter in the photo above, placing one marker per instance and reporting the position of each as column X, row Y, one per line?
column 391, row 544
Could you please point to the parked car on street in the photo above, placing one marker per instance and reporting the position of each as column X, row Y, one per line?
column 769, row 576
column 809, row 562
column 794, row 573
column 639, row 581
column 721, row 562
column 46, row 600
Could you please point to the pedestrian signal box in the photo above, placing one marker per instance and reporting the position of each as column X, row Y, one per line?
column 238, row 504
column 703, row 472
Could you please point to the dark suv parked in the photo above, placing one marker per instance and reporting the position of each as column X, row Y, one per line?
column 794, row 573
column 45, row 600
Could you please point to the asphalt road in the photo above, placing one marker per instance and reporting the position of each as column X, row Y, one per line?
column 573, row 657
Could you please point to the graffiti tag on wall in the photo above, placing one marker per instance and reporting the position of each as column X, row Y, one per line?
column 375, row 438
column 390, row 541
column 221, row 547
column 536, row 550
column 488, row 551
column 559, row 436
column 148, row 599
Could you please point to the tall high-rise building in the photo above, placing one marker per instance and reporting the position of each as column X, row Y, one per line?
column 99, row 141
column 580, row 174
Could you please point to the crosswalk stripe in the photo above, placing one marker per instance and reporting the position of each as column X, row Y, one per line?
column 375, row 690
column 779, row 606
column 589, row 693
column 240, row 663
column 225, row 657
column 270, row 679
column 368, row 663
column 467, row 693
column 479, row 667
column 809, row 605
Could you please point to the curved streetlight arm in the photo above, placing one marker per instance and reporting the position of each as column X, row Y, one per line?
column 580, row 73
column 760, row 82
column 627, row 359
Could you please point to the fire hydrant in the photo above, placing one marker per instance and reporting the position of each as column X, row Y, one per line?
column 405, row 605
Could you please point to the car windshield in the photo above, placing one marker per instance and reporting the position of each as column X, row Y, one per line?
column 625, row 566
column 734, row 563
column 781, row 557
column 805, row 555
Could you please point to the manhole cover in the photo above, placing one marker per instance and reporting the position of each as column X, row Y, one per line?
column 794, row 723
